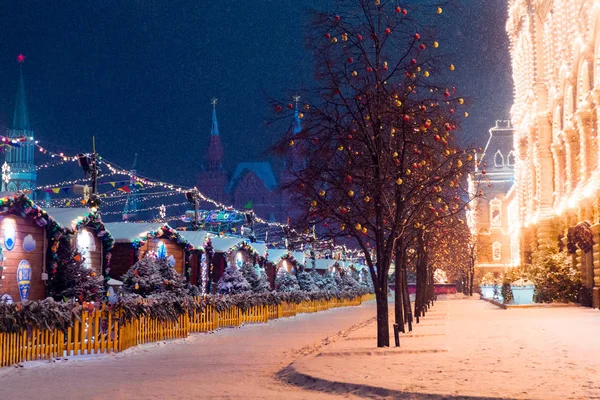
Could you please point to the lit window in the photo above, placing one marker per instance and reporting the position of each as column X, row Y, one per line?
column 496, row 212
column 496, row 251
column 239, row 259
column 498, row 159
column 510, row 159
column 85, row 246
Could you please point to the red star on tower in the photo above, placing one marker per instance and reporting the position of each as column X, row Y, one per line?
column 20, row 58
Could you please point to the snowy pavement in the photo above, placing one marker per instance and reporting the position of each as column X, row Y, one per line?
column 230, row 363
column 467, row 349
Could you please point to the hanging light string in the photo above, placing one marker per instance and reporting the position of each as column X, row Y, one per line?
column 146, row 209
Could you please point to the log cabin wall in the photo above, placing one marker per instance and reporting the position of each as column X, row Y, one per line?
column 122, row 259
column 173, row 249
column 195, row 275
column 29, row 245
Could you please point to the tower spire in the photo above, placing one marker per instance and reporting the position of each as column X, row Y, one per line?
column 296, row 126
column 21, row 116
column 215, row 125
column 130, row 211
column 21, row 159
column 214, row 155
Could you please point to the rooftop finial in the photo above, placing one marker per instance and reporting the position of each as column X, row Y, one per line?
column 296, row 98
column 213, row 101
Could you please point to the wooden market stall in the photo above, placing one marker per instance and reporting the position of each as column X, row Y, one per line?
column 133, row 240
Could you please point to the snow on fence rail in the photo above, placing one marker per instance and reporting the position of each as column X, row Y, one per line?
column 99, row 332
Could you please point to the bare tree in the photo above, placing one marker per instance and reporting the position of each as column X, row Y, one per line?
column 377, row 137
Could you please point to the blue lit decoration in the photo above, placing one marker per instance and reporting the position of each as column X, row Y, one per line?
column 161, row 250
column 218, row 221
column 24, row 279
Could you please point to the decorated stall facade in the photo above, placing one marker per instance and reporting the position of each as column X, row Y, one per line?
column 133, row 240
column 88, row 235
column 29, row 238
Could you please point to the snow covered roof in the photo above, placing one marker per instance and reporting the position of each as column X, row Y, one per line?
column 275, row 255
column 324, row 263
column 262, row 170
column 224, row 244
column 196, row 238
column 299, row 256
column 259, row 248
column 127, row 232
column 67, row 217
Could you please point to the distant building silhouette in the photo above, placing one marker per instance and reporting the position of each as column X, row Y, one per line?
column 253, row 185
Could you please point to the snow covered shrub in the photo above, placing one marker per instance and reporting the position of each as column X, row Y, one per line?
column 286, row 282
column 256, row 277
column 152, row 275
column 73, row 280
column 317, row 279
column 232, row 281
column 306, row 282
column 554, row 276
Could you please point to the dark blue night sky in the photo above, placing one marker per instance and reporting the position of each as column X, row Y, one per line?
column 140, row 74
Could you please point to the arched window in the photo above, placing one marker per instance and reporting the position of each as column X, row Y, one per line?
column 496, row 212
column 496, row 251
column 85, row 247
column 498, row 159
column 510, row 159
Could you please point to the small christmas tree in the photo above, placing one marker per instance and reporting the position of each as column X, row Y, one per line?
column 328, row 282
column 232, row 281
column 306, row 282
column 348, row 281
column 366, row 281
column 152, row 275
column 256, row 278
column 317, row 279
column 73, row 279
column 286, row 282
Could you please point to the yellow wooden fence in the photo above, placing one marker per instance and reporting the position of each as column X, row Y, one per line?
column 100, row 332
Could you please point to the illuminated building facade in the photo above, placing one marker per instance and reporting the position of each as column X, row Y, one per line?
column 555, row 51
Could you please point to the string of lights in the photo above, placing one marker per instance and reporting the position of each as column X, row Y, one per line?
column 147, row 208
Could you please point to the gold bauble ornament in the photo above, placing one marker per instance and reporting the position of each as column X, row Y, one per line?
column 451, row 67
column 399, row 181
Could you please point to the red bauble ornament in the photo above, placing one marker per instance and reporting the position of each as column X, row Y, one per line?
column 359, row 36
column 388, row 31
column 422, row 46
column 417, row 36
column 404, row 12
column 290, row 106
column 278, row 108
column 413, row 61
column 337, row 18
column 483, row 171
column 398, row 9
column 406, row 118
column 369, row 69
column 350, row 60
column 437, row 138
column 328, row 35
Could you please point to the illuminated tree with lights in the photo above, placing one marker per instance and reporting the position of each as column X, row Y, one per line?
column 377, row 134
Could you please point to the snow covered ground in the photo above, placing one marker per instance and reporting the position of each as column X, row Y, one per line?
column 468, row 348
column 230, row 363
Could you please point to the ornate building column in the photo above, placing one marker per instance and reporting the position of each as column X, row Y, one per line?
column 583, row 117
column 572, row 150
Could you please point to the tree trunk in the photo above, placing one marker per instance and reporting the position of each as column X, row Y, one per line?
column 471, row 280
column 383, row 327
column 399, row 295
column 407, row 306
